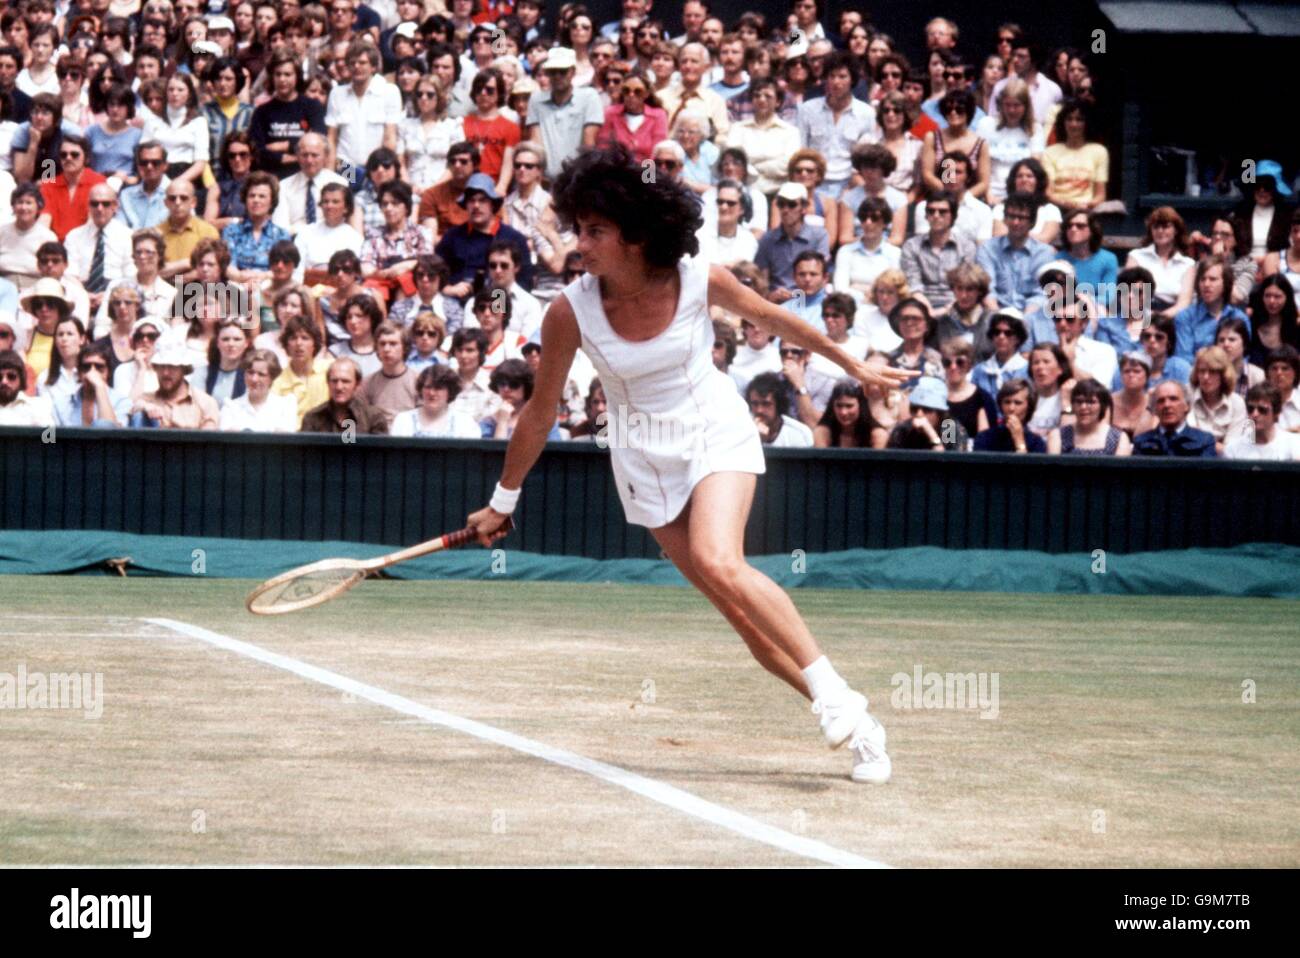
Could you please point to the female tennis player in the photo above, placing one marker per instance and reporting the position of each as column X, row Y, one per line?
column 686, row 466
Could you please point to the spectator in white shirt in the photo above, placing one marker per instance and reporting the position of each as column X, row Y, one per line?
column 833, row 124
column 16, row 407
column 258, row 409
column 974, row 218
column 99, row 250
column 502, row 271
column 436, row 417
column 756, row 354
column 182, row 130
column 858, row 264
column 1264, row 438
column 730, row 241
column 1044, row 93
column 319, row 241
column 1089, row 357
column 769, row 404
column 362, row 115
column 301, row 194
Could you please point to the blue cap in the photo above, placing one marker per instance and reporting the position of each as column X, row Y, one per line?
column 929, row 392
column 1272, row 168
column 483, row 184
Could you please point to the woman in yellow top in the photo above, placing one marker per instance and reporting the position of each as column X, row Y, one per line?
column 1077, row 169
column 304, row 377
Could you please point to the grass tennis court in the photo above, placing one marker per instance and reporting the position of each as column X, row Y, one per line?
column 1121, row 739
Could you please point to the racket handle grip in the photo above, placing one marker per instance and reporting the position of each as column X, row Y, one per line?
column 454, row 540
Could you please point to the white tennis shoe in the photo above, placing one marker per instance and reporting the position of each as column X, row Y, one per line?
column 840, row 715
column 871, row 763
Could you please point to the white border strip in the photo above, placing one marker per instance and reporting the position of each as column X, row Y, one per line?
column 656, row 791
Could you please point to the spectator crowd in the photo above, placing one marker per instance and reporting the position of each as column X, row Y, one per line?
column 335, row 218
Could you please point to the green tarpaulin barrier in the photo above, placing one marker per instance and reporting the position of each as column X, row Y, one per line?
column 1258, row 569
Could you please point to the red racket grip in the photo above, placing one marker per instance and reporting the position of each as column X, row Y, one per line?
column 454, row 540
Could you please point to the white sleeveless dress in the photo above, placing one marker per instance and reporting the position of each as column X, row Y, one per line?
column 674, row 417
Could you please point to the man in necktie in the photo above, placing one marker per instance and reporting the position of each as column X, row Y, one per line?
column 1173, row 437
column 300, row 193
column 99, row 251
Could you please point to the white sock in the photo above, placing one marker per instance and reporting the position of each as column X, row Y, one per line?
column 823, row 680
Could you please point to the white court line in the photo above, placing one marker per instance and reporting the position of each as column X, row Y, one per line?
column 63, row 635
column 656, row 791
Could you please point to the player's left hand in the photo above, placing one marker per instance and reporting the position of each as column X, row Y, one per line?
column 874, row 374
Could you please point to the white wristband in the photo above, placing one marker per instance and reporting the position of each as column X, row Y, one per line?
column 504, row 500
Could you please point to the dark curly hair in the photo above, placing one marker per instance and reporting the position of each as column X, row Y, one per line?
column 662, row 214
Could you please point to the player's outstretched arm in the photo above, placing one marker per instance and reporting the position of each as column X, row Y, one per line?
column 560, row 340
column 728, row 292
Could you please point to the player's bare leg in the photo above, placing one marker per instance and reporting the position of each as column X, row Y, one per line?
column 674, row 540
column 715, row 530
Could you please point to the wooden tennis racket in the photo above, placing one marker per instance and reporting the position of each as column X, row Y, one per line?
column 319, row 582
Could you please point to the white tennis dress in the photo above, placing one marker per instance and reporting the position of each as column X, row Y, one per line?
column 674, row 417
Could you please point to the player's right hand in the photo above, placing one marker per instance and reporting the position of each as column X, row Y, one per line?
column 487, row 523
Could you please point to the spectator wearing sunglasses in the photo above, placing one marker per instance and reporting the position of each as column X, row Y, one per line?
column 99, row 251
column 52, row 261
column 430, row 274
column 67, row 196
column 440, row 209
column 513, row 382
column 638, row 122
column 144, row 204
column 93, row 404
column 1265, row 439
column 382, row 168
column 492, row 311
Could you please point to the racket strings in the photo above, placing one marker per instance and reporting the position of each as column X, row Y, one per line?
column 307, row 588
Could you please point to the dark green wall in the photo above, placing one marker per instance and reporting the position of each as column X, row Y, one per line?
column 402, row 491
